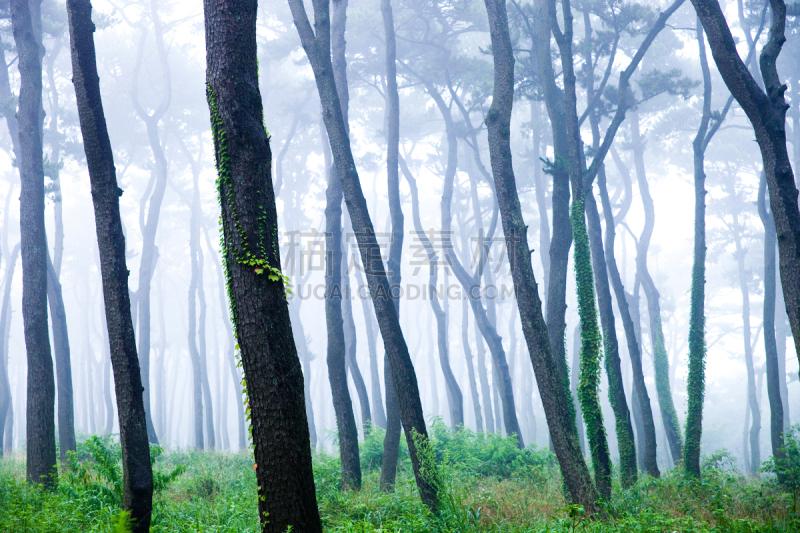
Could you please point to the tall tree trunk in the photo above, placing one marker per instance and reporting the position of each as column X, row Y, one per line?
column 194, row 353
column 351, row 350
column 591, row 338
column 660, row 360
column 149, row 225
column 553, row 385
column 641, row 399
column 5, row 324
column 697, row 319
column 766, row 109
column 259, row 311
column 137, row 476
column 392, row 437
column 752, row 399
column 770, row 345
column 41, row 440
column 317, row 47
column 231, row 351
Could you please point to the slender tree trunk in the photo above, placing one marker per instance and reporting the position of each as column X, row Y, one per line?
column 41, row 441
column 351, row 352
column 660, row 360
column 231, row 357
column 473, row 385
column 136, row 467
column 194, row 353
column 697, row 320
column 576, row 364
column 201, row 340
column 766, row 109
column 378, row 414
column 259, row 311
column 317, row 47
column 591, row 338
column 5, row 324
column 755, row 412
column 552, row 381
column 770, row 345
column 641, row 399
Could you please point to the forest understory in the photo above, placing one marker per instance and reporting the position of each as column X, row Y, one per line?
column 486, row 484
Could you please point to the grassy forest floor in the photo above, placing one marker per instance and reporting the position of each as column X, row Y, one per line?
column 489, row 485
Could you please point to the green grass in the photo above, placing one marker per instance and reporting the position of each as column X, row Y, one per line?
column 487, row 485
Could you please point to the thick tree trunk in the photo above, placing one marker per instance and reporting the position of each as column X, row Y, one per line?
column 647, row 431
column 766, row 110
column 5, row 323
column 660, row 360
column 553, row 385
column 259, row 311
column 137, row 473
column 230, row 349
column 776, row 417
column 41, row 440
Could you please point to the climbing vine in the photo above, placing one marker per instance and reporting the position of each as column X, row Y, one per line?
column 625, row 442
column 697, row 364
column 661, row 364
column 246, row 256
column 589, row 378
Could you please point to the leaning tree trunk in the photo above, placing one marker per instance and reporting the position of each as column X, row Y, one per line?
column 259, row 311
column 552, row 383
column 351, row 350
column 317, row 48
column 660, row 360
column 647, row 435
column 591, row 338
column 766, row 110
column 137, row 475
column 770, row 345
column 5, row 323
column 41, row 440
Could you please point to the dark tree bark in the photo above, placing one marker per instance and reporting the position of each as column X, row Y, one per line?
column 41, row 441
column 660, row 360
column 5, row 323
column 334, row 320
column 576, row 364
column 66, row 413
column 766, row 110
column 647, row 434
column 553, row 387
column 317, row 47
column 259, row 311
column 770, row 345
column 616, row 392
column 136, row 468
column 230, row 349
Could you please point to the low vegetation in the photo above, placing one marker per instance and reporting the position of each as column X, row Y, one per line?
column 488, row 485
